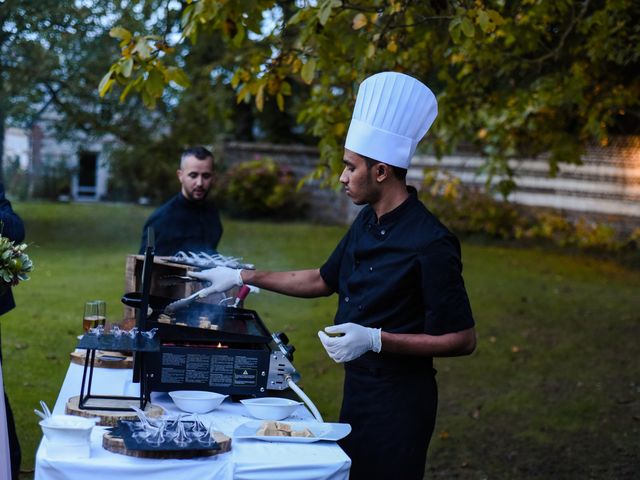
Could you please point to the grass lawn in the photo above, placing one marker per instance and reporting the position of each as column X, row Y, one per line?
column 553, row 390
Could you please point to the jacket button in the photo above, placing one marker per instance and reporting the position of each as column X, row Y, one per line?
column 360, row 307
column 346, row 299
column 371, row 269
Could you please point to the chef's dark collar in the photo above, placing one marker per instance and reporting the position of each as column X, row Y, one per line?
column 396, row 213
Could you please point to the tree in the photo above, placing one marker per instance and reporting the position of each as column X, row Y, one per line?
column 51, row 53
column 513, row 78
column 25, row 59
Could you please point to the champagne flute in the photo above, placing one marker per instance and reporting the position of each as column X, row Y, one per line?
column 95, row 314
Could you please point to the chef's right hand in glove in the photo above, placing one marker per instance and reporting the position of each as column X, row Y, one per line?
column 221, row 279
column 355, row 341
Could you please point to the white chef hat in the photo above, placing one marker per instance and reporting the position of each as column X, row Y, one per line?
column 393, row 112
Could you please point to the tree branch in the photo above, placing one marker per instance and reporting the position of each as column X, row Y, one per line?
column 563, row 38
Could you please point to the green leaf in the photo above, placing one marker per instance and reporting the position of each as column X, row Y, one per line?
column 467, row 27
column 154, row 83
column 105, row 84
column 325, row 12
column 121, row 34
column 485, row 22
column 148, row 100
column 308, row 71
column 178, row 76
column 371, row 50
column 126, row 90
column 126, row 67
column 285, row 88
column 260, row 98
column 239, row 36
column 454, row 29
column 142, row 48
column 495, row 17
column 359, row 21
column 297, row 17
column 243, row 95
column 280, row 102
column 186, row 15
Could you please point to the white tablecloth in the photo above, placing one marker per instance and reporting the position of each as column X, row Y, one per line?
column 248, row 459
column 5, row 459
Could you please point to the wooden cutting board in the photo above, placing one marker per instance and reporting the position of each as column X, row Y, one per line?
column 116, row 445
column 103, row 359
column 109, row 418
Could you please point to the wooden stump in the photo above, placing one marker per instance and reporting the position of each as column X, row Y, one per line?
column 109, row 418
column 116, row 445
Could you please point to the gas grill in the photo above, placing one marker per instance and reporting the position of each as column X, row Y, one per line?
column 223, row 349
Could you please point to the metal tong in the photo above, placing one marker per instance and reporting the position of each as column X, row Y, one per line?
column 182, row 303
column 171, row 280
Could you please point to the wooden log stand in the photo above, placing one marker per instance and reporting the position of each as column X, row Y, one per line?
column 116, row 445
column 109, row 418
column 104, row 359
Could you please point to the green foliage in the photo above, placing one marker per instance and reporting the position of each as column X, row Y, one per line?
column 49, row 182
column 505, row 73
column 15, row 178
column 260, row 188
column 15, row 264
column 468, row 210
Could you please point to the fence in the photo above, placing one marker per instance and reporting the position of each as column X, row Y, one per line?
column 605, row 186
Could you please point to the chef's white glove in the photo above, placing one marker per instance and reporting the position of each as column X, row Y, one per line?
column 356, row 341
column 221, row 279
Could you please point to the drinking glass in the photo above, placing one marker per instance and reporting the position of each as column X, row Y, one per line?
column 95, row 314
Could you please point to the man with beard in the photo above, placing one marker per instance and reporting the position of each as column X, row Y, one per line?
column 187, row 222
column 398, row 276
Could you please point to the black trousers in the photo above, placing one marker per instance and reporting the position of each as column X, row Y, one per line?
column 392, row 415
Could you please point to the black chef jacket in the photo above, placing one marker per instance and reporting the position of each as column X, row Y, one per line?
column 401, row 273
column 184, row 225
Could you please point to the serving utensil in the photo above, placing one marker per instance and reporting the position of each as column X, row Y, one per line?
column 40, row 414
column 45, row 409
column 182, row 303
column 171, row 280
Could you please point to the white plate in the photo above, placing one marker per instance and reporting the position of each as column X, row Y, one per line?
column 330, row 432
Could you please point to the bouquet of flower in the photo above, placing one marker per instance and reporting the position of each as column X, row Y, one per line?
column 14, row 263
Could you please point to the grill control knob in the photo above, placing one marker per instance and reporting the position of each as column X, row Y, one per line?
column 282, row 341
column 282, row 337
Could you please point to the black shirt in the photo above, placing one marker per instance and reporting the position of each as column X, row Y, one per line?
column 184, row 225
column 11, row 227
column 402, row 273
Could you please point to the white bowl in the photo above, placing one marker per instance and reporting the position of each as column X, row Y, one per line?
column 195, row 401
column 68, row 429
column 270, row 408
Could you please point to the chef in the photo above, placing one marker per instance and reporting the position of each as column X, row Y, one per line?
column 398, row 276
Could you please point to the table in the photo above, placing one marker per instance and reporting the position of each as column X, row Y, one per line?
column 248, row 459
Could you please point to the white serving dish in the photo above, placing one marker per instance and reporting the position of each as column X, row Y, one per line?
column 270, row 408
column 68, row 429
column 196, row 401
column 331, row 432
